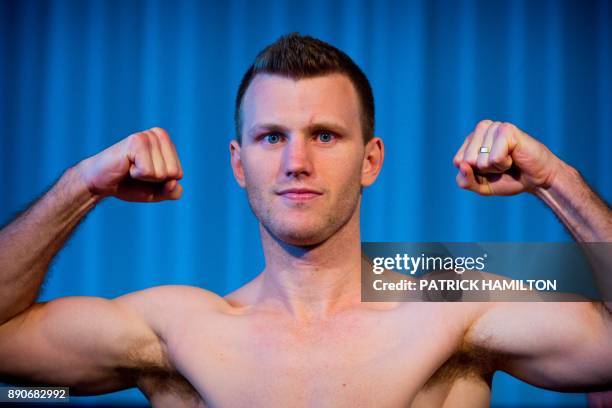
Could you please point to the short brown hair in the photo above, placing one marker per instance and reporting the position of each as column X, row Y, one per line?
column 296, row 56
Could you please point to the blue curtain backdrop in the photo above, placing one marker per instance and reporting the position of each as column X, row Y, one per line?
column 77, row 76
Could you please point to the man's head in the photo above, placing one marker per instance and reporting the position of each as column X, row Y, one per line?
column 303, row 153
column 298, row 57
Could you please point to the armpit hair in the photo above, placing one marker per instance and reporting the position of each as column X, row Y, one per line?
column 153, row 373
column 469, row 361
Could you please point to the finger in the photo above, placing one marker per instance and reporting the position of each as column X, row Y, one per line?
column 169, row 186
column 459, row 155
column 500, row 157
column 136, row 190
column 180, row 174
column 482, row 161
column 156, row 156
column 177, row 192
column 471, row 151
column 139, row 155
column 170, row 190
column 168, row 153
column 463, row 176
column 467, row 179
column 174, row 194
column 178, row 161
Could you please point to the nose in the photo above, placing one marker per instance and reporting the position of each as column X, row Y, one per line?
column 297, row 159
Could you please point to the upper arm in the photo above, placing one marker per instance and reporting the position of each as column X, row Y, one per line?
column 93, row 345
column 556, row 345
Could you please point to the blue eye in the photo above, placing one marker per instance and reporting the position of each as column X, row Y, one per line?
column 325, row 137
column 273, row 138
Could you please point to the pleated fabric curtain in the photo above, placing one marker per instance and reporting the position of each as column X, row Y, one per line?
column 77, row 76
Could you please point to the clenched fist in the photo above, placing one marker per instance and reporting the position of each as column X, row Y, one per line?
column 142, row 167
column 499, row 159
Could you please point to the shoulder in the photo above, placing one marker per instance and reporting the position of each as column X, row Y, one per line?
column 159, row 306
column 173, row 297
column 167, row 293
column 164, row 311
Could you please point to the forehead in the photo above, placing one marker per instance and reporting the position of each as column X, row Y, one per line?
column 295, row 103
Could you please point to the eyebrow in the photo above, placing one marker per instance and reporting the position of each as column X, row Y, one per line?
column 266, row 127
column 274, row 127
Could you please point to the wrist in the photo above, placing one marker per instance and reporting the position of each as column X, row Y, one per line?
column 75, row 177
column 560, row 175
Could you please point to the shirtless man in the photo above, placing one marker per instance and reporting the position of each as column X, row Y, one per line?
column 298, row 334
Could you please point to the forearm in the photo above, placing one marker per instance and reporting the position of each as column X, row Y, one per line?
column 29, row 243
column 588, row 218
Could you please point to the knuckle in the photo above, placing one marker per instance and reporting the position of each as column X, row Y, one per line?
column 483, row 124
column 146, row 171
column 142, row 139
column 498, row 160
column 506, row 127
column 153, row 139
column 482, row 164
column 497, row 163
column 160, row 132
column 472, row 161
column 172, row 171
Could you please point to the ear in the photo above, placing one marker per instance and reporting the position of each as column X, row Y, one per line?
column 236, row 162
column 372, row 161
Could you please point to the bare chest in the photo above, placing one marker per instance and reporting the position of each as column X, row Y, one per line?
column 366, row 360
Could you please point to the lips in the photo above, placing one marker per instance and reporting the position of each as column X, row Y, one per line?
column 299, row 194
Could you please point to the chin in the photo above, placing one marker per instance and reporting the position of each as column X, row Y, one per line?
column 302, row 228
column 299, row 235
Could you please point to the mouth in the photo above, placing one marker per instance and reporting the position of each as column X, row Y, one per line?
column 299, row 194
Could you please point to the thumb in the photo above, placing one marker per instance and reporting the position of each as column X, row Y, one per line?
column 172, row 190
column 465, row 176
column 143, row 191
column 466, row 179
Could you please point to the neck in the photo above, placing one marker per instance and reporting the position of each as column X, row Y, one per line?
column 313, row 282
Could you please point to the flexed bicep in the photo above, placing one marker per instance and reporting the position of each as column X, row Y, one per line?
column 565, row 346
column 92, row 345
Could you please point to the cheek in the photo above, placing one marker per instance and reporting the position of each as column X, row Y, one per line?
column 347, row 172
column 259, row 179
column 254, row 185
column 256, row 170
